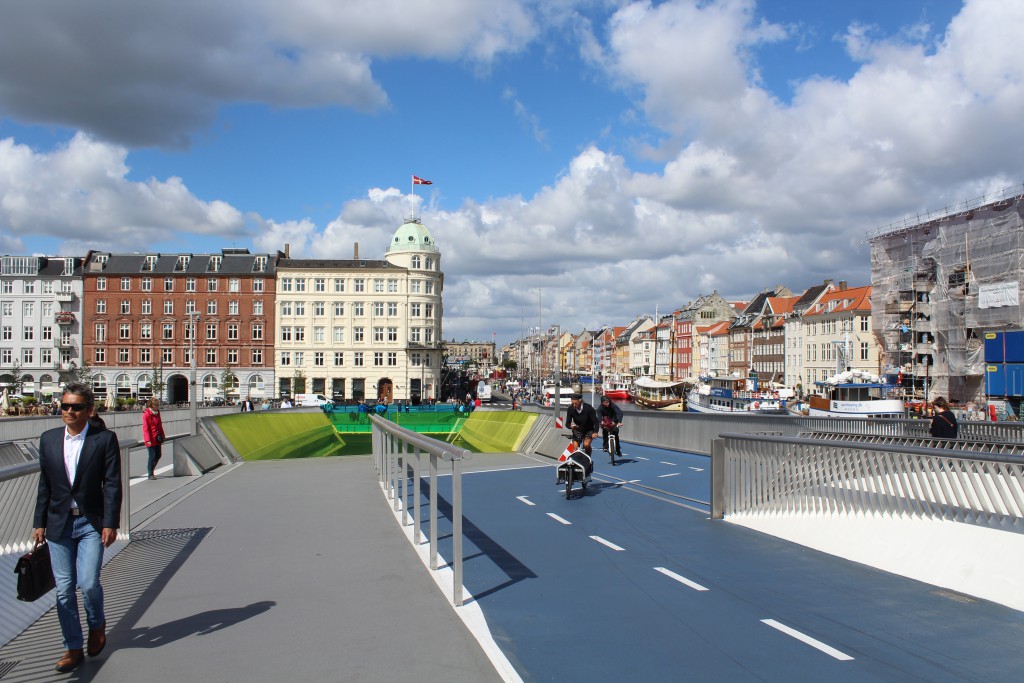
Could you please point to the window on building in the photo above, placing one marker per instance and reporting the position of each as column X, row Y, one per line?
column 415, row 262
column 257, row 285
column 392, row 334
column 318, row 358
column 124, row 331
column 300, row 286
column 234, row 284
column 126, row 284
column 864, row 353
column 415, row 286
column 257, row 308
column 339, row 357
column 414, row 310
column 257, row 331
column 257, row 356
column 378, row 334
column 300, row 357
column 232, row 356
column 190, row 306
column 339, row 335
column 145, row 330
column 392, row 359
column 168, row 284
column 378, row 285
column 318, row 309
column 318, row 334
column 430, row 287
column 378, row 359
column 378, row 308
column 339, row 308
column 145, row 356
column 286, row 308
column 392, row 309
column 320, row 284
column 214, row 265
column 211, row 356
column 211, row 330
column 211, row 307
column 357, row 358
column 233, row 331
column 101, row 285
column 168, row 307
column 233, row 307
column 126, row 306
column 211, row 284
column 339, row 284
column 359, row 285
column 147, row 307
column 167, row 356
column 190, row 284
column 100, row 355
column 122, row 356
column 147, row 284
column 101, row 306
column 357, row 309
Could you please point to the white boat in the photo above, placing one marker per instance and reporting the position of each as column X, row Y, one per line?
column 658, row 395
column 564, row 395
column 737, row 396
column 855, row 393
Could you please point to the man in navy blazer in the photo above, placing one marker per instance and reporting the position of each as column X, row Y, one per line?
column 78, row 511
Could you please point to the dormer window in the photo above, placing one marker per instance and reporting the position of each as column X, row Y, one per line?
column 69, row 266
column 259, row 264
column 214, row 265
column 102, row 259
column 148, row 263
column 182, row 264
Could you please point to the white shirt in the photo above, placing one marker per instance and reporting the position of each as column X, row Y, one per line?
column 72, row 452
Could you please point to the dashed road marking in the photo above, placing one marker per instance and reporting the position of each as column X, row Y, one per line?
column 804, row 638
column 665, row 462
column 673, row 474
column 697, row 469
column 525, row 500
column 681, row 579
column 607, row 543
column 558, row 519
column 640, row 457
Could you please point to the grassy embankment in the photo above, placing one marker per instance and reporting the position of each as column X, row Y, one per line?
column 281, row 435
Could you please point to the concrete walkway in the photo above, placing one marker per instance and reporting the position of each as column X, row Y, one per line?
column 267, row 571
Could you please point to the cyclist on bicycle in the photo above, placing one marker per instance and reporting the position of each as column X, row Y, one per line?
column 610, row 416
column 582, row 420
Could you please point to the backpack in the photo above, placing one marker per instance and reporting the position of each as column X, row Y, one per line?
column 607, row 423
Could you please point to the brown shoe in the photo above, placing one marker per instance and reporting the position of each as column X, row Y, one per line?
column 97, row 640
column 70, row 660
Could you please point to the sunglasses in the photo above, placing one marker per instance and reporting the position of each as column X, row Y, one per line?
column 73, row 407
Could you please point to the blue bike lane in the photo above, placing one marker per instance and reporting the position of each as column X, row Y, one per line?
column 623, row 582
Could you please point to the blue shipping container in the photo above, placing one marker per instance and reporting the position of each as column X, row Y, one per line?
column 995, row 380
column 994, row 347
column 1014, row 346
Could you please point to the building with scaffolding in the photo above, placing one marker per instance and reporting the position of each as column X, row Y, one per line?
column 940, row 284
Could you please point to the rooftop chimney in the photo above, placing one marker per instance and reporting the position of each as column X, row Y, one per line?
column 356, row 257
column 842, row 285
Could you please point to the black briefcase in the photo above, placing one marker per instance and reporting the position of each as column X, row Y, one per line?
column 35, row 575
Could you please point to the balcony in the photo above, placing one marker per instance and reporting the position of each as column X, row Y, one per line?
column 64, row 318
column 64, row 343
column 64, row 297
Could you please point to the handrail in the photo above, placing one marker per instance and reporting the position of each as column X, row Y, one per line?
column 759, row 475
column 392, row 445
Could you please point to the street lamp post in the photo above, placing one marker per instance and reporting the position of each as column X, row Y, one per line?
column 193, row 319
column 558, row 369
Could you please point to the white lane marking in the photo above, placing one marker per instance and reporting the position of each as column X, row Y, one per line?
column 558, row 519
column 697, row 469
column 681, row 579
column 640, row 457
column 665, row 462
column 632, row 481
column 674, row 474
column 606, row 543
column 803, row 638
column 163, row 470
column 525, row 500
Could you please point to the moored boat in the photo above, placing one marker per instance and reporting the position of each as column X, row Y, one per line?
column 736, row 396
column 616, row 388
column 658, row 395
column 855, row 393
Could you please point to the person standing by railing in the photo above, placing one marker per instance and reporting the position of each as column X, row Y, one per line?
column 944, row 425
column 78, row 510
column 153, row 434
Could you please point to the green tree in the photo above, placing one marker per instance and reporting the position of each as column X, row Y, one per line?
column 510, row 365
column 158, row 383
column 298, row 382
column 228, row 382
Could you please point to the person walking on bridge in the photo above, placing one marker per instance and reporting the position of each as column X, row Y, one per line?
column 78, row 510
column 153, row 434
column 944, row 425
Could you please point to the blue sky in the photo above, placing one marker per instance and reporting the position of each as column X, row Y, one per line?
column 619, row 156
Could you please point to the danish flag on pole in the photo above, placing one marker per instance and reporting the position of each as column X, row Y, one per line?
column 569, row 450
column 416, row 180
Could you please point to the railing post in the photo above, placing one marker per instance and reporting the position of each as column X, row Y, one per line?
column 457, row 530
column 717, row 478
column 399, row 447
column 417, row 536
column 406, row 449
column 433, row 511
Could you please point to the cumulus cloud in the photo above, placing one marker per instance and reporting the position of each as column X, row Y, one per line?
column 80, row 197
column 154, row 73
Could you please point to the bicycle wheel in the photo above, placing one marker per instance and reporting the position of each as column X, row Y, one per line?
column 613, row 445
column 568, row 483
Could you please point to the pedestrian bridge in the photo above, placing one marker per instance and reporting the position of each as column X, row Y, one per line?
column 264, row 570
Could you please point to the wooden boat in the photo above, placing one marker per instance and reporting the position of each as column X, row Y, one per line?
column 855, row 394
column 658, row 395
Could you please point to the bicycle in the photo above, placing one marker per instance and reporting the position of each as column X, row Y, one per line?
column 613, row 444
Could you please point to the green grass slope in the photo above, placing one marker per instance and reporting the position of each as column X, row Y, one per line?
column 496, row 432
column 274, row 436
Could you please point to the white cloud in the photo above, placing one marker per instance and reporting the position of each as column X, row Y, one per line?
column 79, row 195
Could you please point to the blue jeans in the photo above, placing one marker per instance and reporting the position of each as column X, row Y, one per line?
column 76, row 558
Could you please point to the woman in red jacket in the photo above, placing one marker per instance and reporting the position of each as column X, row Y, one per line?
column 153, row 433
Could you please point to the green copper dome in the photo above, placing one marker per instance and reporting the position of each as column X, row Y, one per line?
column 412, row 236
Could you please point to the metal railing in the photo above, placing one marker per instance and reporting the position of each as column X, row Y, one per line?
column 923, row 441
column 395, row 451
column 792, row 476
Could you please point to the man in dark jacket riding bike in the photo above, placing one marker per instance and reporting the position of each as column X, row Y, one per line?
column 582, row 420
column 610, row 417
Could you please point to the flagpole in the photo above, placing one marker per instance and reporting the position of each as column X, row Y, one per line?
column 412, row 197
